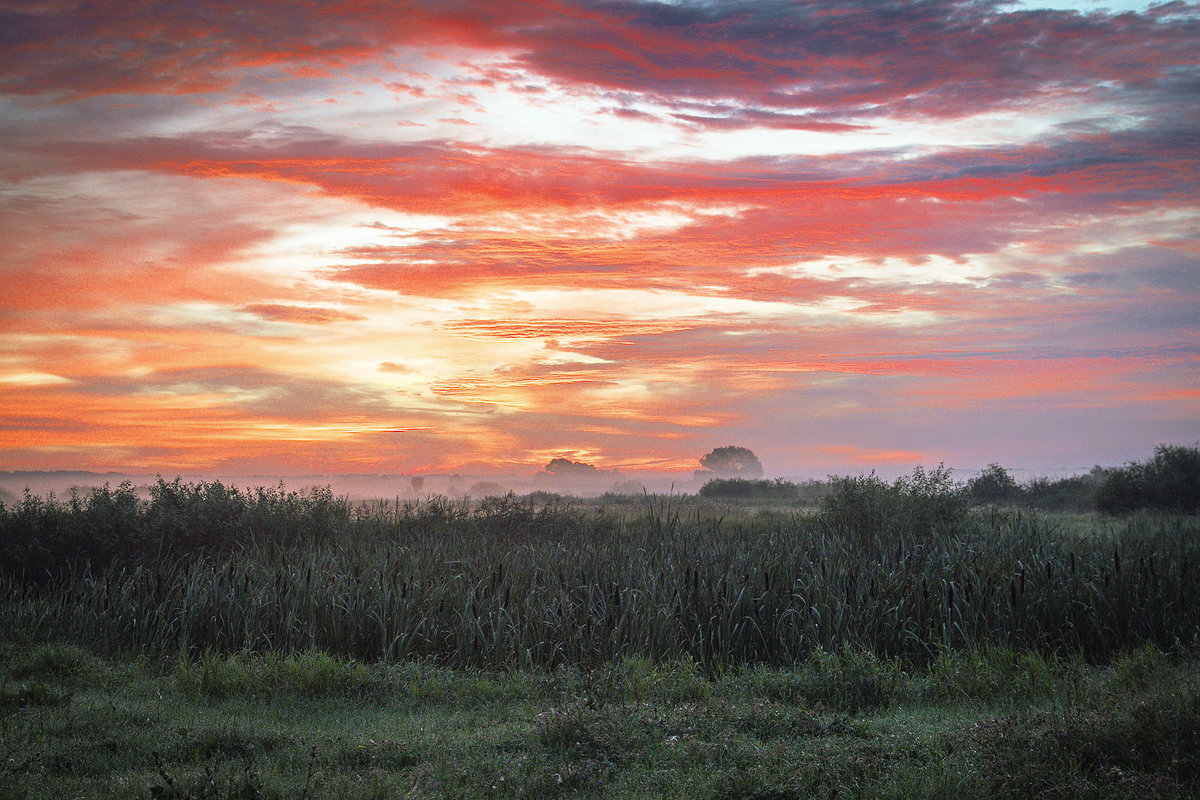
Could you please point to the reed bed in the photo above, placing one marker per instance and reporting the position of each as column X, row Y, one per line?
column 514, row 584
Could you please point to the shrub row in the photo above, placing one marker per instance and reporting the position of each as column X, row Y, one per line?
column 1169, row 481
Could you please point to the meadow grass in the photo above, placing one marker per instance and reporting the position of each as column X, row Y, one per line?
column 833, row 726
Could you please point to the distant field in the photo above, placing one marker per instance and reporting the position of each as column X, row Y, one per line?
column 889, row 642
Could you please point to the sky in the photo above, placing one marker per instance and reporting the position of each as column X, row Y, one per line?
column 435, row 236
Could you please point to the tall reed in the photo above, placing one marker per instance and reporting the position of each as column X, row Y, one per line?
column 511, row 583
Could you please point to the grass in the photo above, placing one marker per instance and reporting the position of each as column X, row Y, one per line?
column 118, row 729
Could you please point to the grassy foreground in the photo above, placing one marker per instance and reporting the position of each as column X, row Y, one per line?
column 984, row 724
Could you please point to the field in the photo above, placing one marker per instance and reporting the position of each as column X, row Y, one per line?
column 208, row 642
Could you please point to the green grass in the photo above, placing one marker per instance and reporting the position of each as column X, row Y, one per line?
column 113, row 729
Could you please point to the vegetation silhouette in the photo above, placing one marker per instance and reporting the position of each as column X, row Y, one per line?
column 730, row 462
column 1168, row 481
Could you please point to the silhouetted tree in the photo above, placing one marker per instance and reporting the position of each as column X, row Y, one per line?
column 731, row 462
column 993, row 485
column 566, row 468
column 746, row 489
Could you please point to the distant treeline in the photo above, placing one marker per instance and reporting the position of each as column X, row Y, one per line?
column 1169, row 481
column 807, row 493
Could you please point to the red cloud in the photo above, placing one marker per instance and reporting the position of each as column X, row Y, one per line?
column 782, row 210
column 934, row 58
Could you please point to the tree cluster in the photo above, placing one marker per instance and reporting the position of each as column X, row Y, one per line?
column 730, row 462
column 1168, row 481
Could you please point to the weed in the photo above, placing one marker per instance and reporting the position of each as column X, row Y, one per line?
column 57, row 661
column 849, row 679
column 237, row 784
column 31, row 695
column 1141, row 744
column 271, row 592
column 309, row 674
column 999, row 672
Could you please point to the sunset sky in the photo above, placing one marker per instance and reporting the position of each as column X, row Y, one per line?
column 474, row 235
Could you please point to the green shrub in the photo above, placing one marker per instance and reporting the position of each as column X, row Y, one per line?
column 55, row 661
column 993, row 485
column 1072, row 493
column 31, row 695
column 1123, row 490
column 308, row 674
column 850, row 680
column 868, row 508
column 1174, row 477
column 43, row 538
column 998, row 672
column 1168, row 481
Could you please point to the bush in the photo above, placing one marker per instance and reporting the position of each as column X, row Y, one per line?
column 309, row 674
column 39, row 537
column 850, row 680
column 1073, row 493
column 1174, row 479
column 54, row 661
column 993, row 485
column 998, row 672
column 1169, row 481
column 868, row 508
column 1123, row 490
column 42, row 538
